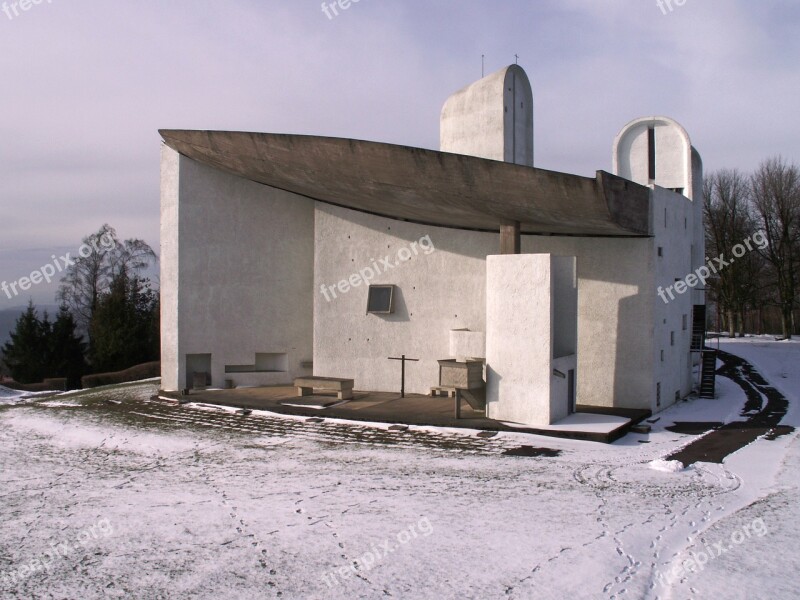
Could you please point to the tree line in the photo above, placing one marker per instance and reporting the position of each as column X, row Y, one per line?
column 108, row 318
column 738, row 206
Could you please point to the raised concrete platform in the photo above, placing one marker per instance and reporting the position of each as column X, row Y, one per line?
column 383, row 407
column 586, row 422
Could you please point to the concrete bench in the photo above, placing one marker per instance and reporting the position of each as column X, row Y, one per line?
column 306, row 385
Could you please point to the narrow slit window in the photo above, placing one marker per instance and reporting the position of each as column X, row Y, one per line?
column 651, row 152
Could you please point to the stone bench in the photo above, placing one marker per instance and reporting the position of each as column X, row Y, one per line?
column 306, row 385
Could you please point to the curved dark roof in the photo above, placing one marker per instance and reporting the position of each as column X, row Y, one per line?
column 424, row 186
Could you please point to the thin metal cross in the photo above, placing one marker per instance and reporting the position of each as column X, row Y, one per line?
column 403, row 360
column 516, row 59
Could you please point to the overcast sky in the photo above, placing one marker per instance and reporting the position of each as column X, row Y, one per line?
column 86, row 85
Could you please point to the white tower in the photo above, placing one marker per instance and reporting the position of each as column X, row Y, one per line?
column 658, row 151
column 491, row 118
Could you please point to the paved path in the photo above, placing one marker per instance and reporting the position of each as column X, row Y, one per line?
column 763, row 419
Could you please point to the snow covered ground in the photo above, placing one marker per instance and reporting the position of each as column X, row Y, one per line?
column 107, row 494
column 9, row 396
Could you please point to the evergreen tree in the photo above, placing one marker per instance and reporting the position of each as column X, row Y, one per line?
column 67, row 350
column 124, row 330
column 26, row 354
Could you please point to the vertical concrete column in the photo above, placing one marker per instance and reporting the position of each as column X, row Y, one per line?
column 172, row 370
column 510, row 238
column 519, row 338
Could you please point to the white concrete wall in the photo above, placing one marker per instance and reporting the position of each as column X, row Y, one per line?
column 446, row 290
column 466, row 344
column 529, row 298
column 673, row 228
column 170, row 270
column 236, row 273
column 519, row 338
column 518, row 107
column 491, row 118
column 615, row 316
column 436, row 292
column 565, row 306
column 680, row 234
column 243, row 273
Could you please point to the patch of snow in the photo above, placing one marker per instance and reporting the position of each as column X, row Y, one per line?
column 667, row 466
column 588, row 422
column 9, row 396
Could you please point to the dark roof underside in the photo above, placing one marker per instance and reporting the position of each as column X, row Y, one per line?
column 424, row 186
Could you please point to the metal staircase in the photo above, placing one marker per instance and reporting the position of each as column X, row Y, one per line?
column 708, row 362
column 698, row 328
column 708, row 373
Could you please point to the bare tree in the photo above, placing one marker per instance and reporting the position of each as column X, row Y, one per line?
column 729, row 223
column 101, row 258
column 776, row 199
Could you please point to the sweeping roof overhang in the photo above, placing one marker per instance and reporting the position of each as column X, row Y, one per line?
column 424, row 186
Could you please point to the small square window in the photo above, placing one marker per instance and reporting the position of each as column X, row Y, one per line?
column 380, row 300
